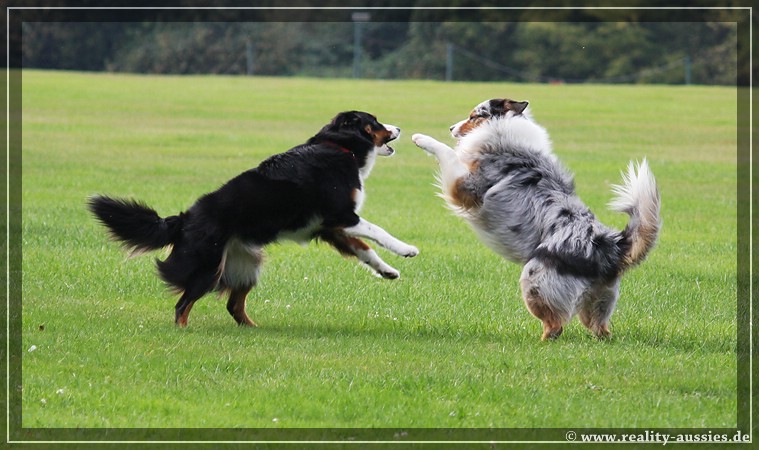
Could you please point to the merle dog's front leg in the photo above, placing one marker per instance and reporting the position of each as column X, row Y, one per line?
column 433, row 146
column 451, row 167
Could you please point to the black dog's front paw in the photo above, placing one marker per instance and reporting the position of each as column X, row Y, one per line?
column 409, row 251
column 390, row 274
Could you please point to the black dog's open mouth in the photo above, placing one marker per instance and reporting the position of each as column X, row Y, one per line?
column 389, row 134
column 386, row 149
column 390, row 149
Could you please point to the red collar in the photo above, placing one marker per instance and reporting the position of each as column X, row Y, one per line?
column 338, row 146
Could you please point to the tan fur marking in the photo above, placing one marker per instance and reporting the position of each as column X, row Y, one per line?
column 470, row 125
column 182, row 320
column 601, row 331
column 462, row 197
column 236, row 307
column 380, row 137
column 642, row 243
column 552, row 323
column 358, row 244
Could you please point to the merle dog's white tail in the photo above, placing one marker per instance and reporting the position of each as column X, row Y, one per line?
column 639, row 198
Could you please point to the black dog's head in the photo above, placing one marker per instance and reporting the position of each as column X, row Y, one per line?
column 360, row 131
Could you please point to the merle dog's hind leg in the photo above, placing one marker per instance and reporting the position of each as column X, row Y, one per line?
column 596, row 307
column 547, row 296
column 553, row 323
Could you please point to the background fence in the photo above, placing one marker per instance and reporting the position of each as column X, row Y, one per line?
column 555, row 52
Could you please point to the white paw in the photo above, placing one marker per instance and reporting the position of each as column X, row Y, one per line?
column 389, row 273
column 423, row 141
column 408, row 251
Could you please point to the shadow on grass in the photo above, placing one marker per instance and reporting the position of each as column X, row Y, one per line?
column 631, row 338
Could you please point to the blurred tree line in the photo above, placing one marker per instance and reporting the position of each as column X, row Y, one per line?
column 535, row 51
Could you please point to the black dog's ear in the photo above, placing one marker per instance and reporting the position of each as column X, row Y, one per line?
column 349, row 120
column 344, row 119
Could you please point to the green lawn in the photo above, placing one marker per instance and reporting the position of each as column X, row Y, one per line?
column 449, row 345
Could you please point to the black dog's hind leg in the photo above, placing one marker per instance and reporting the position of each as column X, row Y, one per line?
column 199, row 287
column 194, row 269
column 236, row 306
column 199, row 283
column 183, row 307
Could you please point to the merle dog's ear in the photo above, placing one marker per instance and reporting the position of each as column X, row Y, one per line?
column 517, row 107
column 502, row 106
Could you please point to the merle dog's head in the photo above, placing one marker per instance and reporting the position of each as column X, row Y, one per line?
column 488, row 110
column 360, row 131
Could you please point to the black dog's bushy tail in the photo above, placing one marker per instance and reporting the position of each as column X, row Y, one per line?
column 135, row 224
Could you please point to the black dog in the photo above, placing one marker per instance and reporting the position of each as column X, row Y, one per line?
column 314, row 190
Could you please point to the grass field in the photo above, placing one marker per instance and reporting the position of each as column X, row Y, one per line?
column 449, row 345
